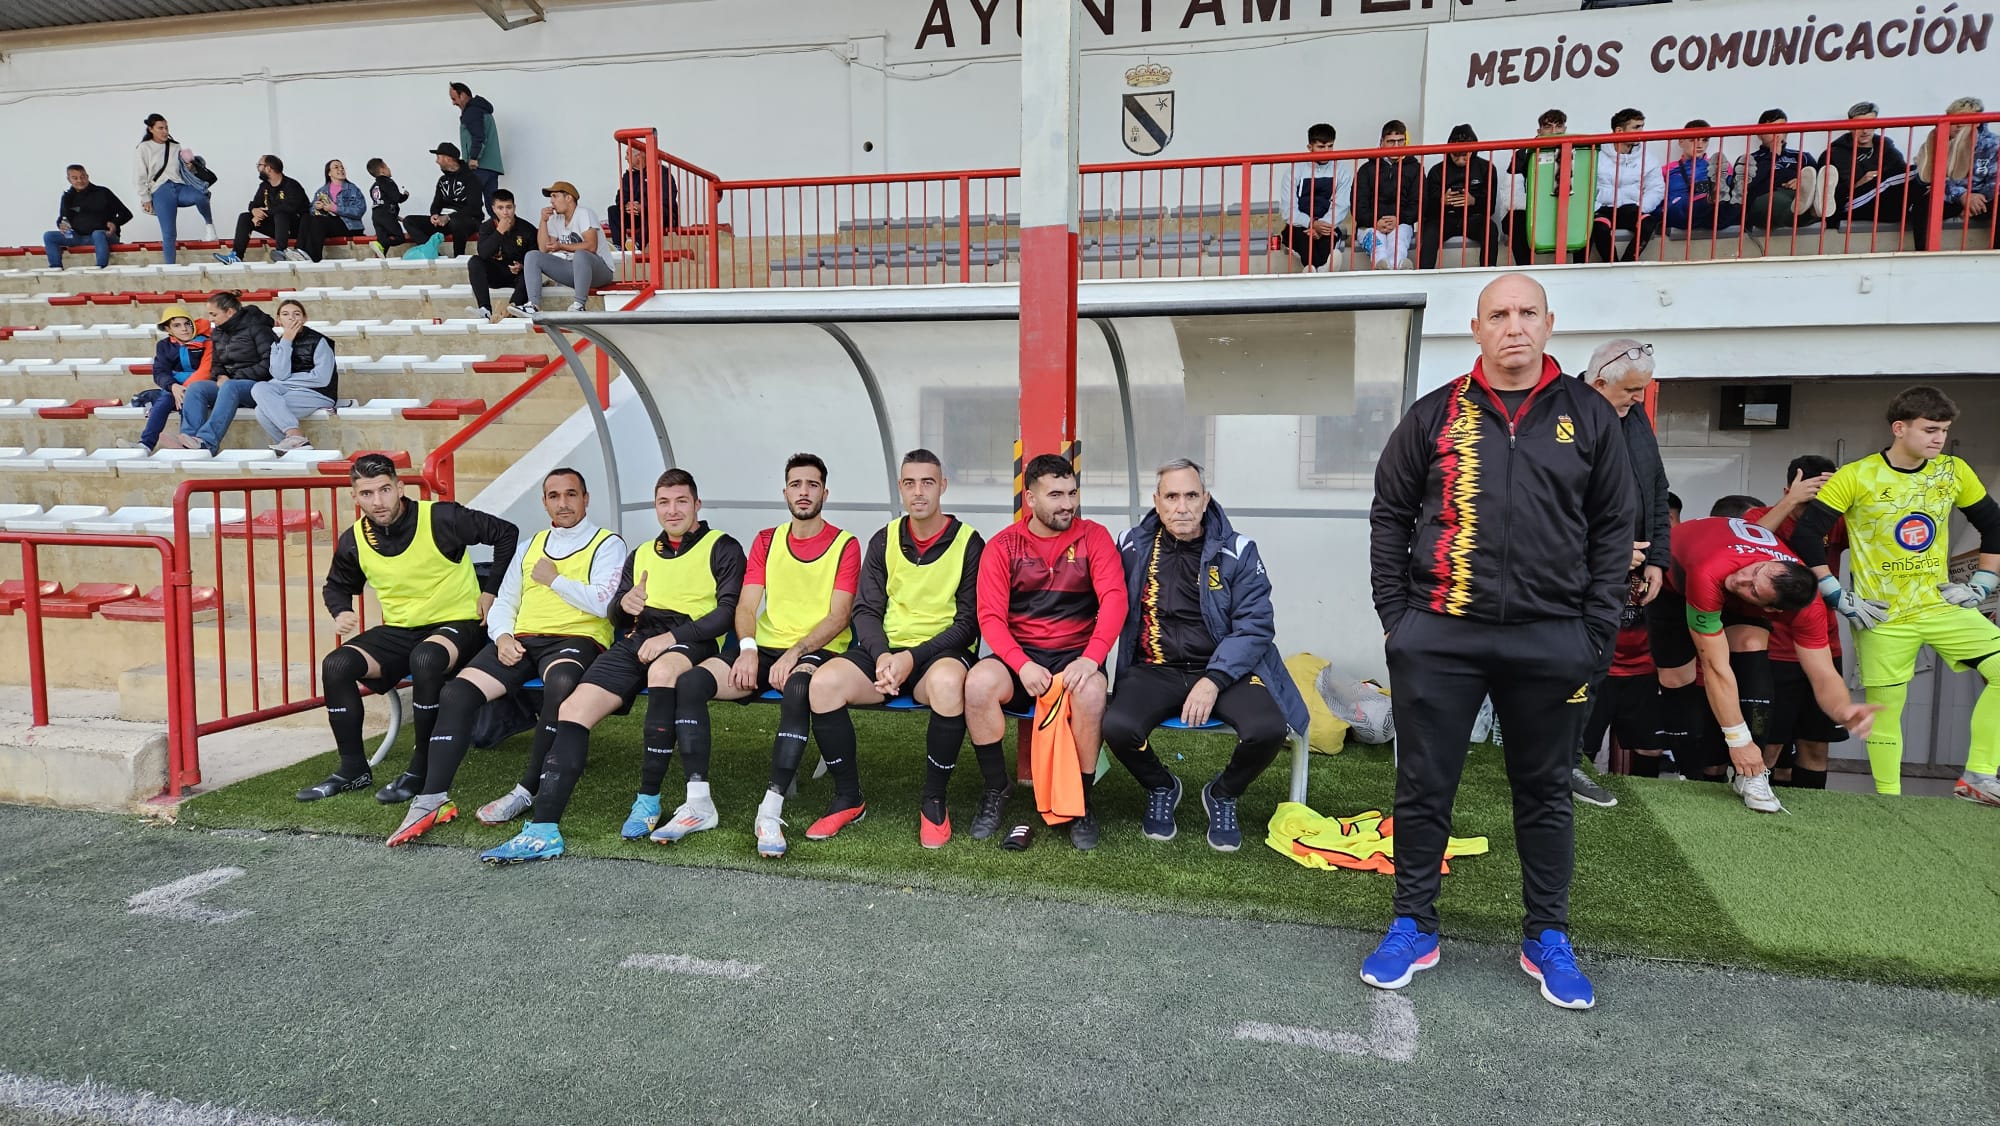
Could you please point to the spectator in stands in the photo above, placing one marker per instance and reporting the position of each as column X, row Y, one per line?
column 569, row 251
column 337, row 208
column 504, row 244
column 479, row 136
column 1319, row 193
column 278, row 209
column 454, row 204
column 385, row 200
column 627, row 219
column 1388, row 198
column 88, row 215
column 1695, row 202
column 1970, row 179
column 180, row 359
column 1630, row 191
column 303, row 379
column 1552, row 123
column 1873, row 185
column 169, row 178
column 239, row 359
column 1458, row 203
column 1782, row 184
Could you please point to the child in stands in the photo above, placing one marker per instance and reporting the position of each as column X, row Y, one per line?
column 385, row 200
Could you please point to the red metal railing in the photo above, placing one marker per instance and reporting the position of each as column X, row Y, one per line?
column 1231, row 214
column 174, row 584
column 664, row 216
column 440, row 467
column 274, row 614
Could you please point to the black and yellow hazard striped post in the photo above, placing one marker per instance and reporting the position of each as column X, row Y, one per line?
column 1072, row 453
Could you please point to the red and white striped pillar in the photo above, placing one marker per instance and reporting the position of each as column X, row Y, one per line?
column 1050, row 195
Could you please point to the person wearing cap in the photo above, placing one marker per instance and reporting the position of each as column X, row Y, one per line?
column 570, row 250
column 454, row 210
column 1873, row 186
column 180, row 358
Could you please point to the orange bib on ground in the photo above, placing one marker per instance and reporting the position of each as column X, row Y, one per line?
column 1052, row 758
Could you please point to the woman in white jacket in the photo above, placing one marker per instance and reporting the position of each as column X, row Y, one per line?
column 1631, row 190
column 160, row 169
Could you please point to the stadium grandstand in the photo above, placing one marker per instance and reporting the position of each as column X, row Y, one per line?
column 1258, row 430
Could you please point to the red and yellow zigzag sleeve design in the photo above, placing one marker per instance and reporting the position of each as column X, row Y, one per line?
column 1458, row 463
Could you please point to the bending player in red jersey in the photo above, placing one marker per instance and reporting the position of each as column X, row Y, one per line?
column 1727, row 566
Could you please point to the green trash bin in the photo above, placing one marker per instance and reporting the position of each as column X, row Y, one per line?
column 1544, row 181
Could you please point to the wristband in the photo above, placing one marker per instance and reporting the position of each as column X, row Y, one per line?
column 746, row 643
column 1831, row 590
column 1737, row 735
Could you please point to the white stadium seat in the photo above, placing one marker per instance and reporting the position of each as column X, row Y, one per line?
column 38, row 460
column 201, row 521
column 97, row 462
column 113, row 413
column 228, row 463
column 127, row 521
column 379, row 409
column 294, row 462
column 163, row 461
column 58, row 519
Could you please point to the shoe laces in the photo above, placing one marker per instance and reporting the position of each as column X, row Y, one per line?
column 1225, row 811
column 1160, row 804
column 1400, row 943
column 1558, row 956
column 992, row 802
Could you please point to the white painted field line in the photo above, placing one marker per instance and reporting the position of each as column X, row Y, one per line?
column 694, row 967
column 174, row 900
column 95, row 1103
column 1392, row 1033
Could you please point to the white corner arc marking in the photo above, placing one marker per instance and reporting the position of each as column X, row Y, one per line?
column 174, row 900
column 691, row 966
column 1392, row 1033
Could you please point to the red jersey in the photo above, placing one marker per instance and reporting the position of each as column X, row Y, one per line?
column 1064, row 592
column 847, row 578
column 1782, row 648
column 1708, row 551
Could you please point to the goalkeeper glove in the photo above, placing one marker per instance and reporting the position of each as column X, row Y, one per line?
column 1971, row 592
column 1861, row 613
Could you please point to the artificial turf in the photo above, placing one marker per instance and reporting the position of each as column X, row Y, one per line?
column 1897, row 890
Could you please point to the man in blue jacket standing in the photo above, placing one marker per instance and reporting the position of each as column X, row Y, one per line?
column 1197, row 643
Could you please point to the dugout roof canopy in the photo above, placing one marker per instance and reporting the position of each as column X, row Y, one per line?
column 722, row 374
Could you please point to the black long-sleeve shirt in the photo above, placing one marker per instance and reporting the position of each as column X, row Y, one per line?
column 509, row 247
column 456, row 191
column 725, row 561
column 95, row 208
column 286, row 195
column 872, row 601
column 454, row 527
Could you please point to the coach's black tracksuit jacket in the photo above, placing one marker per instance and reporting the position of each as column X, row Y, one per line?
column 1503, row 521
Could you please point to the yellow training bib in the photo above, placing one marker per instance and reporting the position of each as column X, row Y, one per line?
column 545, row 612
column 923, row 598
column 420, row 587
column 797, row 595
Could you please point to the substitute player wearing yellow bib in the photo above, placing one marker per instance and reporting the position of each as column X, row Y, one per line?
column 798, row 592
column 415, row 556
column 1898, row 505
column 916, row 627
column 547, row 622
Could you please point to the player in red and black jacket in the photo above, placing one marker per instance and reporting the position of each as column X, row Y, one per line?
column 1051, row 602
column 1501, row 541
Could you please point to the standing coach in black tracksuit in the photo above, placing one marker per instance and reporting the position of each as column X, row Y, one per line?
column 1501, row 540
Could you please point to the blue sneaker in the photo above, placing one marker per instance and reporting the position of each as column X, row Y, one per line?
column 1158, row 820
column 1550, row 961
column 1223, row 833
column 1403, row 952
column 533, row 842
column 226, row 258
column 644, row 816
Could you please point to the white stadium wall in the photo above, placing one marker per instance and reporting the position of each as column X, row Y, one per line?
column 765, row 88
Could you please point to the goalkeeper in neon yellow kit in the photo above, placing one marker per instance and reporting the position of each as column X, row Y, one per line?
column 1898, row 505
